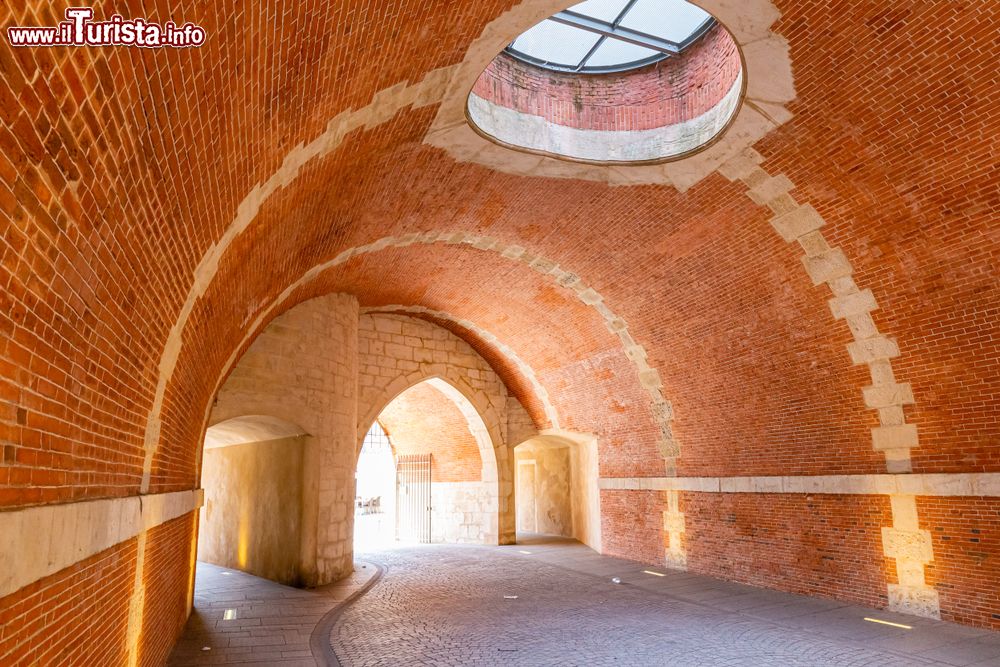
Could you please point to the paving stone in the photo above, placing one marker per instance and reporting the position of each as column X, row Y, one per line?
column 445, row 605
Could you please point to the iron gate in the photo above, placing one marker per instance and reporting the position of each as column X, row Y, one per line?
column 413, row 498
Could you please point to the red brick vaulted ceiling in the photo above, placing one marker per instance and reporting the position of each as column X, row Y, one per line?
column 121, row 167
column 121, row 170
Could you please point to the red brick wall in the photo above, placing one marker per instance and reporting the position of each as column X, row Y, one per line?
column 906, row 179
column 671, row 91
column 78, row 616
column 422, row 420
column 166, row 575
column 632, row 525
column 822, row 545
column 965, row 533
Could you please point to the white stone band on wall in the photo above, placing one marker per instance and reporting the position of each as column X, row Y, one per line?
column 36, row 542
column 938, row 485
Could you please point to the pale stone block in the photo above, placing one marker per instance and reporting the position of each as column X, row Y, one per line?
column 755, row 177
column 778, row 113
column 663, row 410
column 542, row 265
column 616, row 324
column 650, row 378
column 873, row 349
column 668, row 447
column 673, row 522
column 636, row 353
column 907, row 545
column 859, row 303
column 590, row 297
column 898, row 461
column 399, row 351
column 910, row 573
column 984, row 484
column 741, row 165
column 904, row 512
column 891, row 416
column 799, row 222
column 814, row 244
column 843, row 286
column 568, row 279
column 894, row 437
column 916, row 600
column 883, row 396
column 881, row 372
column 388, row 325
column 484, row 243
column 675, row 559
column 862, row 326
column 769, row 58
column 606, row 314
column 827, row 266
column 673, row 501
column 12, row 533
column 770, row 189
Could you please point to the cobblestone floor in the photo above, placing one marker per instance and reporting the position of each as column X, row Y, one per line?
column 555, row 604
column 242, row 619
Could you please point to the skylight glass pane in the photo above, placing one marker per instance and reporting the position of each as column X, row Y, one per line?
column 602, row 10
column 556, row 43
column 614, row 52
column 674, row 20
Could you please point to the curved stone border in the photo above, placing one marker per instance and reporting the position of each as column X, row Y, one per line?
column 527, row 371
column 769, row 86
column 321, row 638
column 830, row 266
column 383, row 107
column 894, row 437
column 649, row 377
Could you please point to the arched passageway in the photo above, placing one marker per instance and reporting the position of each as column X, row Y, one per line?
column 783, row 335
column 446, row 486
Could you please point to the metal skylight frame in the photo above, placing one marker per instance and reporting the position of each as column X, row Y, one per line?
column 613, row 30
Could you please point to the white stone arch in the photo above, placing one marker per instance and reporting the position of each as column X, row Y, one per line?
column 483, row 421
column 769, row 87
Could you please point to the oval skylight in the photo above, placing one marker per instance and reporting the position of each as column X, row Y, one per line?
column 611, row 35
column 612, row 82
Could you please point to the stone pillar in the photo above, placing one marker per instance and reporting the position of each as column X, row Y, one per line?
column 337, row 451
column 303, row 368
